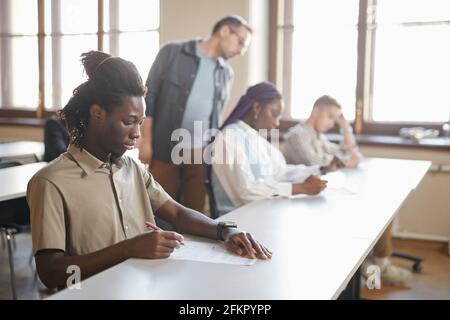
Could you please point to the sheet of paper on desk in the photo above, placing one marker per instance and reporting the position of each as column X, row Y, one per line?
column 208, row 252
column 338, row 182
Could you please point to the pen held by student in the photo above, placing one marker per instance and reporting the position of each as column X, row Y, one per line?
column 154, row 227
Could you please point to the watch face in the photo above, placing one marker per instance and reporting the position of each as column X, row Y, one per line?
column 224, row 225
column 230, row 224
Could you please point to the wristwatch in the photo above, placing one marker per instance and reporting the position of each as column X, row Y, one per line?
column 222, row 225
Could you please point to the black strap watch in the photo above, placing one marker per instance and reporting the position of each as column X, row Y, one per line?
column 222, row 225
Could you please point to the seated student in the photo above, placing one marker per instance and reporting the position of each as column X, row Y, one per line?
column 246, row 167
column 90, row 206
column 56, row 138
column 306, row 144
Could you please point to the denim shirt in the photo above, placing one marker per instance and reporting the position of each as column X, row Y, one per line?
column 169, row 84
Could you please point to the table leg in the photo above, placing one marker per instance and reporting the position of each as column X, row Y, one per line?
column 353, row 289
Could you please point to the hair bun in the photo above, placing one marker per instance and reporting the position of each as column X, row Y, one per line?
column 92, row 59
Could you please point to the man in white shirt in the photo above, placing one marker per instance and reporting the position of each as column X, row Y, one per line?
column 306, row 143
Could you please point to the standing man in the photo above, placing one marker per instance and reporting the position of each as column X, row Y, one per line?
column 188, row 85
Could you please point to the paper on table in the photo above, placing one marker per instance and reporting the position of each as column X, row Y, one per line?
column 337, row 181
column 208, row 252
column 338, row 184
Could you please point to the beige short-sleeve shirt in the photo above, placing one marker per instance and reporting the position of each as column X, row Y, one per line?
column 303, row 145
column 80, row 204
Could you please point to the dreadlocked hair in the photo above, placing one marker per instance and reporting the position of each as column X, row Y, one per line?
column 110, row 79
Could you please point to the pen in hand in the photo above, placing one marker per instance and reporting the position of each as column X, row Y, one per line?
column 154, row 227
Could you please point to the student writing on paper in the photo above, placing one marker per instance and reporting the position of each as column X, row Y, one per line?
column 246, row 166
column 90, row 206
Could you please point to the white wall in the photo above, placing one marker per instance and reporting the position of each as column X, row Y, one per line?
column 258, row 54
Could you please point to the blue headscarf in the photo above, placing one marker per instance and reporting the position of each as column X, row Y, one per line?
column 261, row 92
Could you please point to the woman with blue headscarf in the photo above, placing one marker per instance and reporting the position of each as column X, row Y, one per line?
column 245, row 165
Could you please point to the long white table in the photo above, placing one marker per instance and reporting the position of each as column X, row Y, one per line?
column 27, row 151
column 318, row 244
column 14, row 180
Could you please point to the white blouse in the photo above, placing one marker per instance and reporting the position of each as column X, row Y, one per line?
column 246, row 167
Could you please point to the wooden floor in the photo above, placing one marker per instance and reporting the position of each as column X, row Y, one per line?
column 432, row 283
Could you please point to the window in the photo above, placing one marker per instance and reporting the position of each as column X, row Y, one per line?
column 411, row 61
column 19, row 81
column 385, row 61
column 71, row 29
column 324, row 54
column 132, row 31
column 50, row 59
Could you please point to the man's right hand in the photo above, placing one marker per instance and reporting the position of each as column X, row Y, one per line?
column 342, row 122
column 154, row 244
column 353, row 161
column 335, row 164
column 312, row 186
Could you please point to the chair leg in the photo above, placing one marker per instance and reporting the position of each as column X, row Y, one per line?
column 14, row 241
column 4, row 244
column 11, row 263
column 30, row 259
column 417, row 266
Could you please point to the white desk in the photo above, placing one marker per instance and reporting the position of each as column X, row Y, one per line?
column 318, row 244
column 27, row 151
column 14, row 180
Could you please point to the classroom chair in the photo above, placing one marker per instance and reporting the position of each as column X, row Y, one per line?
column 15, row 222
